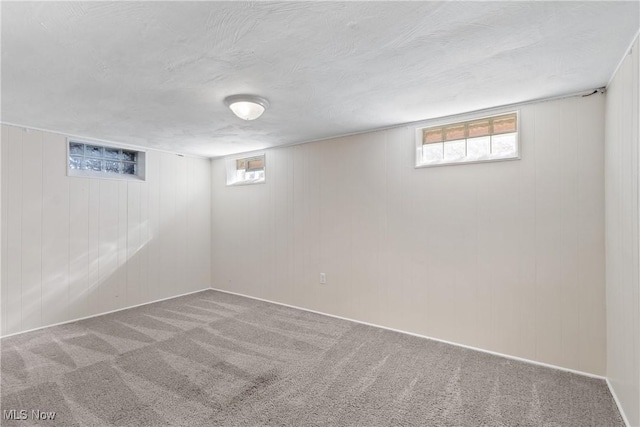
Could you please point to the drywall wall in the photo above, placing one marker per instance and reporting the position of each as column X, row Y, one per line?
column 504, row 256
column 622, row 239
column 74, row 247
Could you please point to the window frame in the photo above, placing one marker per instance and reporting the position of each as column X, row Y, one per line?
column 231, row 168
column 81, row 173
column 464, row 118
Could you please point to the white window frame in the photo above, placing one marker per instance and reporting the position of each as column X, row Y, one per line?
column 231, row 169
column 460, row 119
column 140, row 162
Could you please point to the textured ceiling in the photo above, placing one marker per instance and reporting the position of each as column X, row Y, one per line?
column 155, row 73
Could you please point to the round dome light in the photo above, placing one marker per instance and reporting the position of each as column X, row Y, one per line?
column 247, row 107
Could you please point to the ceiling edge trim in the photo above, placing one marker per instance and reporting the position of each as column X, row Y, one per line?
column 103, row 141
column 626, row 52
column 421, row 123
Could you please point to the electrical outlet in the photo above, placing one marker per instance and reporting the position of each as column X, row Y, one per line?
column 323, row 279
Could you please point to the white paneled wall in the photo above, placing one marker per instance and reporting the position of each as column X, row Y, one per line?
column 74, row 247
column 505, row 256
column 622, row 224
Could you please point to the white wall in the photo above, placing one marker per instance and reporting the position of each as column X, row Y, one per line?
column 622, row 239
column 505, row 256
column 74, row 247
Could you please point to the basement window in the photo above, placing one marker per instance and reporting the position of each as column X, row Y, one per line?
column 478, row 140
column 247, row 170
column 100, row 161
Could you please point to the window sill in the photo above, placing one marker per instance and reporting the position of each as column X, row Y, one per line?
column 103, row 175
column 463, row 162
column 253, row 182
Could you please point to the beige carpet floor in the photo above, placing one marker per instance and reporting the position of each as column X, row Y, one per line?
column 211, row 358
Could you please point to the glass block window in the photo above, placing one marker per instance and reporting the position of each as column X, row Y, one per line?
column 477, row 140
column 102, row 160
column 248, row 170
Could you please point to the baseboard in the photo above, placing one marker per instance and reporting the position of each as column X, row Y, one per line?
column 615, row 399
column 102, row 314
column 506, row 356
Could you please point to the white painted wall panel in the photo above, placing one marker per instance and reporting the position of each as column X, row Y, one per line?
column 74, row 247
column 92, row 303
column 153, row 245
column 79, row 253
column 198, row 222
column 506, row 256
column 13, row 236
column 31, row 236
column 166, row 234
column 180, row 221
column 55, row 231
column 121, row 273
column 4, row 216
column 108, row 249
column 142, row 253
column 590, row 241
column 136, row 289
column 622, row 239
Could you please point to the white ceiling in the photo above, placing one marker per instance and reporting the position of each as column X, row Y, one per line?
column 155, row 73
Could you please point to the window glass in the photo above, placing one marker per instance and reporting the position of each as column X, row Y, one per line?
column 478, row 148
column 106, row 160
column 482, row 139
column 454, row 150
column 249, row 170
column 93, row 151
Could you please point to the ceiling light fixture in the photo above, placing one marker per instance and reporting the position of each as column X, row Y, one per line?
column 247, row 107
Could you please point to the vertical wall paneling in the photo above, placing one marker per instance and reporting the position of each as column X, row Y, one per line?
column 75, row 247
column 218, row 252
column 142, row 253
column 501, row 256
column 398, row 165
column 13, row 235
column 591, row 270
column 549, row 221
column 3, row 251
column 622, row 239
column 79, row 251
column 167, row 235
column 4, row 153
column 153, row 243
column 55, row 230
column 528, row 309
column 367, row 221
column 198, row 225
column 135, row 289
column 298, row 227
column 191, row 264
column 180, row 221
column 31, row 170
column 91, row 303
column 570, row 150
column 109, row 252
column 123, row 229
